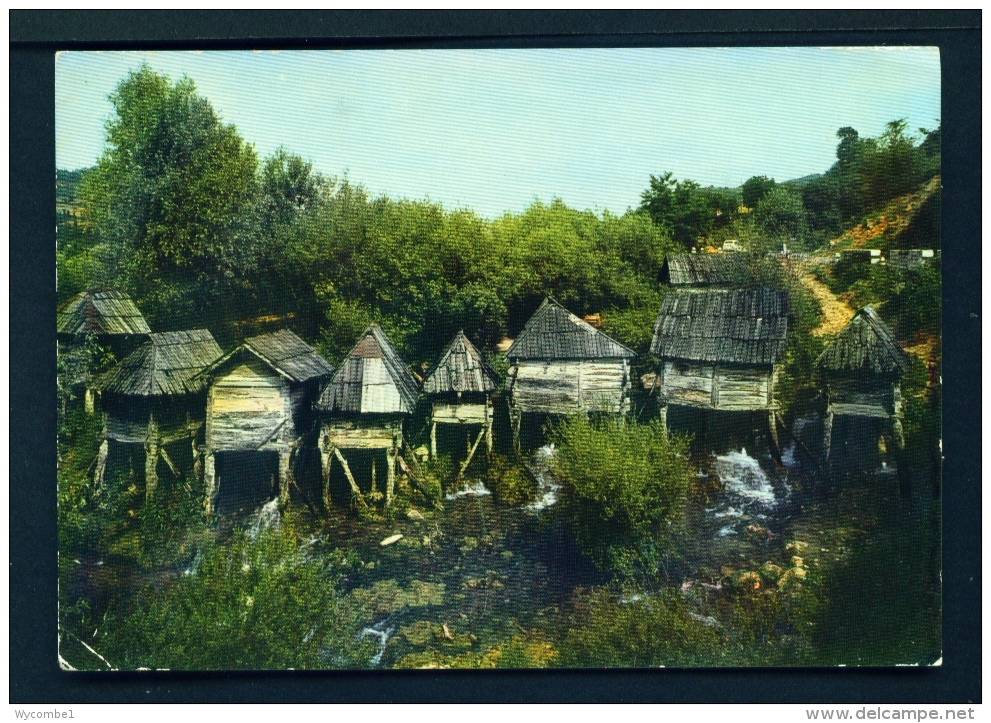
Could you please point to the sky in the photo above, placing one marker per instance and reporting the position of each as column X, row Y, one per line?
column 493, row 130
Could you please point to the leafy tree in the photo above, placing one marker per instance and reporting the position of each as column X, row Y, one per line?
column 755, row 188
column 685, row 209
column 175, row 199
column 780, row 214
column 625, row 488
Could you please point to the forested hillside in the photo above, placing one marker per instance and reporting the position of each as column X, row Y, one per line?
column 182, row 213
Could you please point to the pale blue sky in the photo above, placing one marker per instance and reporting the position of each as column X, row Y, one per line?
column 492, row 130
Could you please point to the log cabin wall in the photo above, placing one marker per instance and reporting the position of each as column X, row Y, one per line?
column 708, row 386
column 565, row 387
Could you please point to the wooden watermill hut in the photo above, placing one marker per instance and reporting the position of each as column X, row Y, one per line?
column 155, row 397
column 363, row 408
column 707, row 270
column 862, row 368
column 719, row 349
column 561, row 364
column 111, row 317
column 259, row 403
column 459, row 386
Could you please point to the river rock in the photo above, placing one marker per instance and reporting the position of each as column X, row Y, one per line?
column 391, row 539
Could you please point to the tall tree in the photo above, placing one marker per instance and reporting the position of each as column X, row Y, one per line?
column 755, row 188
column 175, row 201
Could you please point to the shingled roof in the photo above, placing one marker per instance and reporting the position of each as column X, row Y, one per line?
column 746, row 327
column 866, row 344
column 286, row 354
column 168, row 364
column 553, row 332
column 348, row 387
column 460, row 368
column 101, row 311
column 724, row 269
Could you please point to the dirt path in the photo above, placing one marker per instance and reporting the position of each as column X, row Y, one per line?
column 836, row 313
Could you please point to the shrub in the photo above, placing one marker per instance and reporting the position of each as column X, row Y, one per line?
column 624, row 490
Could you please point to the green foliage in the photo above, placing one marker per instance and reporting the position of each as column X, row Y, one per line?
column 642, row 633
column 781, row 215
column 510, row 486
column 685, row 209
column 754, row 189
column 174, row 198
column 625, row 487
column 249, row 605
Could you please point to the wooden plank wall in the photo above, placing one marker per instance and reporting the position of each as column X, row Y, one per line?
column 561, row 387
column 246, row 407
column 708, row 386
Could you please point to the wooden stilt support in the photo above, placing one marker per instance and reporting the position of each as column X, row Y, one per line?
column 325, row 453
column 374, row 481
column 772, row 427
column 347, row 473
column 209, row 481
column 471, row 453
column 197, row 460
column 90, row 400
column 390, row 471
column 151, row 466
column 515, row 419
column 662, row 412
column 285, row 474
column 168, row 460
column 827, row 438
column 488, row 427
column 101, row 464
column 433, row 440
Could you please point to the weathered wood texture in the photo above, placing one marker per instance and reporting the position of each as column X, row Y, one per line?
column 725, row 269
column 563, row 387
column 455, row 413
column 720, row 326
column 169, row 364
column 372, row 379
column 905, row 259
column 360, row 433
column 865, row 346
column 461, row 368
column 709, row 386
column 554, row 333
column 249, row 408
column 101, row 312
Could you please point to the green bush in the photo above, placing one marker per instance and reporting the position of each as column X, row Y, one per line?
column 624, row 490
column 647, row 632
column 259, row 604
column 510, row 486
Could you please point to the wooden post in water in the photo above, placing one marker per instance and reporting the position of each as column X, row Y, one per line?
column 433, row 440
column 209, row 481
column 101, row 464
column 390, row 480
column 285, row 473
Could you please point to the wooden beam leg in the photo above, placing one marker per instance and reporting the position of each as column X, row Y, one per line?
column 325, row 453
column 390, row 471
column 488, row 437
column 285, row 472
column 433, row 441
column 209, row 482
column 90, row 400
column 151, row 468
column 514, row 422
column 827, row 438
column 772, row 426
column 662, row 413
column 101, row 464
column 374, row 481
column 347, row 473
column 197, row 461
column 471, row 453
column 168, row 460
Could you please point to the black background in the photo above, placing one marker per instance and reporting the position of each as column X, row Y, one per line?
column 34, row 37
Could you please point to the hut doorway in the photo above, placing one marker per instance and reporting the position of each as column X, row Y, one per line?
column 246, row 480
